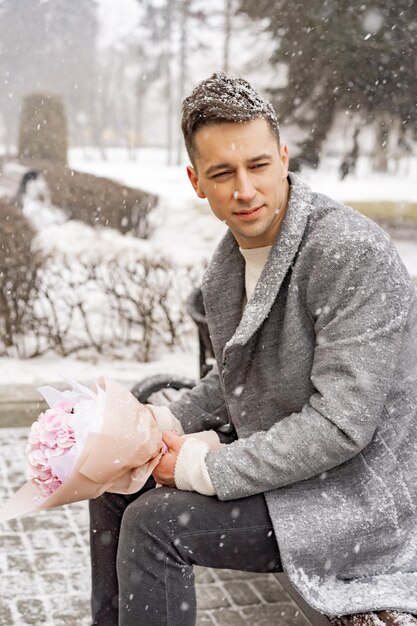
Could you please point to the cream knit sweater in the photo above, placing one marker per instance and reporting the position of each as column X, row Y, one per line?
column 190, row 469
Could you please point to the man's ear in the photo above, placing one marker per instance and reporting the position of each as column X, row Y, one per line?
column 193, row 176
column 283, row 152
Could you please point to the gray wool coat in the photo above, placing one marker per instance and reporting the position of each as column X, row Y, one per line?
column 319, row 379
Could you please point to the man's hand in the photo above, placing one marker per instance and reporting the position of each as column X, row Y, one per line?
column 164, row 471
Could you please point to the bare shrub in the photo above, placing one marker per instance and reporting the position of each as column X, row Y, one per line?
column 121, row 308
column 146, row 300
column 20, row 265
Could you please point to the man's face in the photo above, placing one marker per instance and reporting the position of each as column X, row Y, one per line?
column 243, row 174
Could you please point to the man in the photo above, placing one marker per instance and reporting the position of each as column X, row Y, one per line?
column 313, row 320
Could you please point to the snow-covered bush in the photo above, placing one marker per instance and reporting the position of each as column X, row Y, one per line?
column 20, row 265
column 98, row 201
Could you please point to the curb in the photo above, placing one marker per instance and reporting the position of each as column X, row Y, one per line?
column 20, row 405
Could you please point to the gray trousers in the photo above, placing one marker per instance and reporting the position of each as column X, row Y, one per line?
column 143, row 549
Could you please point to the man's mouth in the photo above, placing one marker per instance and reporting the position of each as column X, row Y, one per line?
column 249, row 214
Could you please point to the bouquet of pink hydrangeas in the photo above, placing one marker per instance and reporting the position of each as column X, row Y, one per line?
column 89, row 441
column 52, row 448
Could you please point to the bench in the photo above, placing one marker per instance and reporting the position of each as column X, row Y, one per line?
column 14, row 178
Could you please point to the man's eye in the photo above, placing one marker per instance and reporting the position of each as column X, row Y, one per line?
column 221, row 175
column 257, row 166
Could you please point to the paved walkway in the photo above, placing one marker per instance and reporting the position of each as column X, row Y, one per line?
column 45, row 576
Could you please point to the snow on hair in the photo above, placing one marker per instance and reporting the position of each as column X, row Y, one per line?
column 220, row 99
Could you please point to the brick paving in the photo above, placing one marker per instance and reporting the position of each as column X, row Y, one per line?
column 45, row 575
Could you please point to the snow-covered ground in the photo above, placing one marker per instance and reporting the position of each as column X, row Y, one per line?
column 186, row 233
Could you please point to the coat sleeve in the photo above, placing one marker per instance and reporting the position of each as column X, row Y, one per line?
column 359, row 297
column 203, row 407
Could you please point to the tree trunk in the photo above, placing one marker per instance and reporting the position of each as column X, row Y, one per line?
column 380, row 158
column 168, row 79
column 185, row 13
column 227, row 34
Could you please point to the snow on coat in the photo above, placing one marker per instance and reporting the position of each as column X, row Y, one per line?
column 319, row 379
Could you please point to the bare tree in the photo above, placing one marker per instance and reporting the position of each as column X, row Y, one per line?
column 48, row 46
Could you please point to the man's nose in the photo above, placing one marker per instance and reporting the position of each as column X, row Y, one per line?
column 245, row 190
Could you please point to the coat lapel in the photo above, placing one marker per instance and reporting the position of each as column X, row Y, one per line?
column 224, row 280
column 282, row 254
column 223, row 288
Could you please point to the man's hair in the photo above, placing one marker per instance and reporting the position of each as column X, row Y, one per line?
column 220, row 99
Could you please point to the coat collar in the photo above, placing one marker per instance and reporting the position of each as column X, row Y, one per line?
column 224, row 279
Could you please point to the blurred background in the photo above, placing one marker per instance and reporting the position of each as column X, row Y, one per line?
column 341, row 73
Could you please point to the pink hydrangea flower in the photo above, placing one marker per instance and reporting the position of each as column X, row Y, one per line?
column 50, row 436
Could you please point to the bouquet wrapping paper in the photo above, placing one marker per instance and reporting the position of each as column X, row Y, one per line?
column 117, row 446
